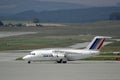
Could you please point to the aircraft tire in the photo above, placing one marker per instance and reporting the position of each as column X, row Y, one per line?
column 60, row 61
column 29, row 62
column 64, row 62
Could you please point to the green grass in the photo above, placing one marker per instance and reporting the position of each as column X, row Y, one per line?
column 14, row 22
column 61, row 36
column 35, row 42
column 108, row 54
column 20, row 58
column 113, row 47
column 103, row 58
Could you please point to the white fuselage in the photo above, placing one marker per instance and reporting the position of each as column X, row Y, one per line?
column 56, row 54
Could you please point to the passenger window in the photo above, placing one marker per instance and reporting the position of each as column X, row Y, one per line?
column 45, row 55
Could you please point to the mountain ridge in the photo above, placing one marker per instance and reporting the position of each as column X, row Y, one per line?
column 70, row 15
column 21, row 6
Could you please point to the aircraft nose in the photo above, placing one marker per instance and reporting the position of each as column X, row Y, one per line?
column 26, row 57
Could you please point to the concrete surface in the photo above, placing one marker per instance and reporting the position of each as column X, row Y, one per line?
column 77, row 70
column 74, row 70
column 8, row 34
column 11, row 55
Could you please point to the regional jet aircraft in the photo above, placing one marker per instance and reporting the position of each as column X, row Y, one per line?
column 63, row 55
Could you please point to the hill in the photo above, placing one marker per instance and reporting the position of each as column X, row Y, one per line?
column 7, row 7
column 67, row 16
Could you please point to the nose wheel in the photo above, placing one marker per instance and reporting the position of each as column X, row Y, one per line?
column 29, row 62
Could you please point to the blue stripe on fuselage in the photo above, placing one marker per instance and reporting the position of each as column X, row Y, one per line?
column 94, row 45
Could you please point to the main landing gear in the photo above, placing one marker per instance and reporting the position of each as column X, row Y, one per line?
column 62, row 61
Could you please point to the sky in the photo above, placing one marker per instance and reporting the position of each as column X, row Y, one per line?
column 11, row 3
column 90, row 2
column 87, row 2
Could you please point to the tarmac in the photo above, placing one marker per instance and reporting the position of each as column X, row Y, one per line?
column 74, row 70
column 10, row 69
column 8, row 34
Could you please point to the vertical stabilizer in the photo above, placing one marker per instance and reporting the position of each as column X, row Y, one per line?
column 97, row 43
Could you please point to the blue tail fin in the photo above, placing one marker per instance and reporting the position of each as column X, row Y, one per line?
column 97, row 43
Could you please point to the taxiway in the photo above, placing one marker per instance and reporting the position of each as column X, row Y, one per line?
column 76, row 70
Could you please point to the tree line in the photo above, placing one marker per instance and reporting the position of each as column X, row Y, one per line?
column 35, row 20
column 113, row 16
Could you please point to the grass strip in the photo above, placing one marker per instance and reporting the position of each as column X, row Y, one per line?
column 103, row 58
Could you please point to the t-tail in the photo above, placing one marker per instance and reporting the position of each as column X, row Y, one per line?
column 97, row 43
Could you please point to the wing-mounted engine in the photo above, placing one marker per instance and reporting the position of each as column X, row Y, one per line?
column 61, row 57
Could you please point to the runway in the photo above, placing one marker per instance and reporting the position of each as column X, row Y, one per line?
column 11, row 55
column 73, row 70
column 76, row 70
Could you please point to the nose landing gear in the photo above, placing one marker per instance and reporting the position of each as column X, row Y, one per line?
column 29, row 62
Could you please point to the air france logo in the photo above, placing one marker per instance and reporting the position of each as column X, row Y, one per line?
column 47, row 55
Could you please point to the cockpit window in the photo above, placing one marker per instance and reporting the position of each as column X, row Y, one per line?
column 32, row 53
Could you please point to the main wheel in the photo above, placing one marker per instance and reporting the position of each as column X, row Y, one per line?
column 64, row 62
column 60, row 61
